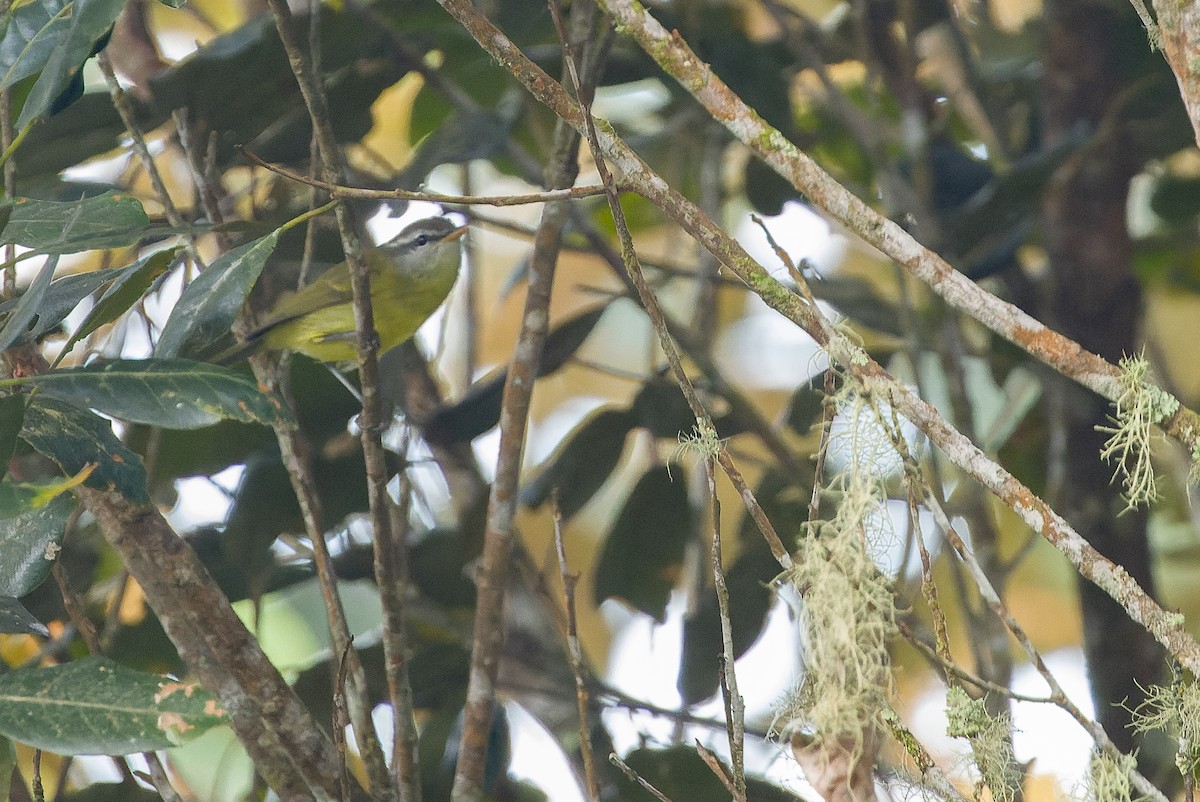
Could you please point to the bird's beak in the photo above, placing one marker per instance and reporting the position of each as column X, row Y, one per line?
column 455, row 234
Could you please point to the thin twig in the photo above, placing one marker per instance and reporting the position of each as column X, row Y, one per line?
column 735, row 706
column 637, row 778
column 340, row 191
column 576, row 652
column 719, row 771
column 989, row 594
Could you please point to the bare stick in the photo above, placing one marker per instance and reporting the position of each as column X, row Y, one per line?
column 735, row 706
column 576, row 651
column 637, row 778
column 339, row 191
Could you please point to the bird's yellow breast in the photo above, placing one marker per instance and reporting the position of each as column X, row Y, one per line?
column 400, row 304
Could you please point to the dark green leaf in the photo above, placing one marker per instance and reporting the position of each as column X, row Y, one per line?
column 211, row 302
column 583, row 463
column 643, row 554
column 678, row 772
column 16, row 620
column 34, row 31
column 87, row 128
column 97, row 707
column 110, row 220
column 12, row 415
column 72, row 437
column 90, row 24
column 267, row 113
column 479, row 408
column 20, row 498
column 661, row 408
column 27, row 305
column 28, row 543
column 172, row 393
column 123, row 293
column 784, row 498
column 64, row 295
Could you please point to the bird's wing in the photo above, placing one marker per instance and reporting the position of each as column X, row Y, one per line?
column 331, row 289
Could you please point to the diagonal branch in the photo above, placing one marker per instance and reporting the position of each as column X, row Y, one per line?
column 1167, row 628
column 1059, row 352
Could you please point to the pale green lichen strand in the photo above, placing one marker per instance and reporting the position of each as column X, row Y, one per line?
column 1139, row 406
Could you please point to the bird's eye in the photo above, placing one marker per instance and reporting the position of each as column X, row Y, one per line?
column 422, row 239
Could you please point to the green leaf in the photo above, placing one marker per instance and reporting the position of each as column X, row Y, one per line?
column 91, row 22
column 111, row 220
column 583, row 463
column 19, row 498
column 12, row 416
column 64, row 295
column 123, row 293
column 33, row 32
column 28, row 543
column 72, row 437
column 16, row 620
column 97, row 707
column 643, row 555
column 27, row 305
column 172, row 393
column 210, row 303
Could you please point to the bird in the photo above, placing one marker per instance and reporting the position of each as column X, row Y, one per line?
column 411, row 275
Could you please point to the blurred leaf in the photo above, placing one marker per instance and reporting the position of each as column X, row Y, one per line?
column 267, row 113
column 12, row 417
column 661, row 409
column 784, row 498
column 479, row 408
column 61, row 81
column 124, row 292
column 679, row 773
column 87, row 128
column 807, row 405
column 583, row 463
column 16, row 620
column 643, row 555
column 73, row 438
column 211, row 302
column 28, row 543
column 750, row 598
column 96, row 707
column 173, row 393
column 32, row 33
column 1176, row 198
column 463, row 136
column 111, row 220
column 437, row 569
column 27, row 305
column 62, row 296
